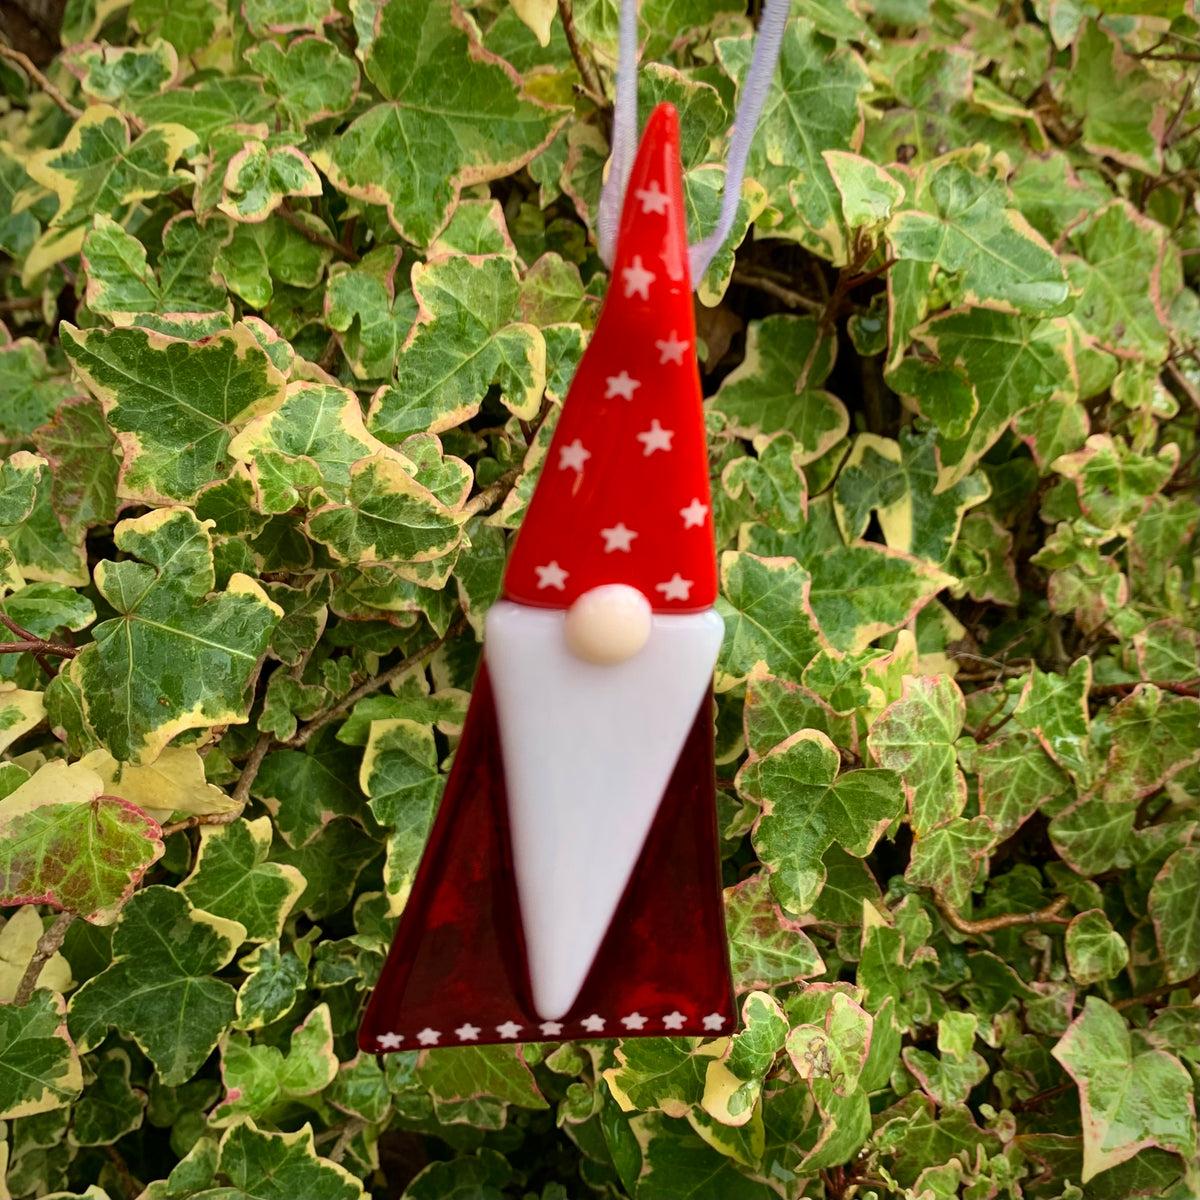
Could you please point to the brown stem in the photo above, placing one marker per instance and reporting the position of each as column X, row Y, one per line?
column 316, row 237
column 1044, row 916
column 225, row 818
column 1048, row 1094
column 587, row 68
column 241, row 793
column 21, row 304
column 306, row 732
column 32, row 643
column 26, row 65
column 1147, row 997
column 1117, row 689
column 488, row 498
column 789, row 297
column 47, row 947
column 131, row 1185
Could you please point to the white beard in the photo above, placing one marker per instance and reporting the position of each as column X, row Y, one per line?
column 588, row 753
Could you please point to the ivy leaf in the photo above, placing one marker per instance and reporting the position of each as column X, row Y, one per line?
column 1012, row 362
column 948, row 857
column 465, row 338
column 483, row 1174
column 32, row 394
column 258, row 178
column 1095, row 950
column 281, row 1166
column 664, row 1075
column 312, row 77
column 1130, row 1098
column 40, row 1069
column 400, row 774
column 173, row 784
column 898, row 481
column 1118, row 100
column 982, row 560
column 814, row 105
column 275, row 980
column 1016, row 777
column 82, row 453
column 261, row 254
column 188, row 26
column 174, row 404
column 453, row 116
column 1152, row 740
column 916, row 737
column 306, row 790
column 232, row 878
column 454, row 1077
column 20, row 711
column 97, row 169
column 807, row 807
column 120, row 74
column 168, row 616
column 733, row 1083
column 769, row 627
column 868, row 192
column 1114, row 483
column 159, row 989
column 1174, row 899
column 960, row 221
column 766, row 947
column 43, row 823
column 370, row 313
column 777, row 387
column 109, row 1107
column 1092, row 833
column 1054, row 708
column 23, row 930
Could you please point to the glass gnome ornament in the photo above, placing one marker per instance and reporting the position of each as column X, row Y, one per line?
column 571, row 884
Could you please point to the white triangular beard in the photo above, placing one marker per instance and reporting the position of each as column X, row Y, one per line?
column 588, row 753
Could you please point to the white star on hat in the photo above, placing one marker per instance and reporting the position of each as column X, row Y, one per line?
column 622, row 385
column 714, row 1021
column 618, row 538
column 676, row 588
column 573, row 456
column 674, row 1020
column 509, row 1029
column 428, row 1037
column 653, row 199
column 637, row 279
column 672, row 350
column 552, row 576
column 467, row 1032
column 635, row 1020
column 593, row 1024
column 655, row 438
column 694, row 514
column 551, row 1028
column 390, row 1041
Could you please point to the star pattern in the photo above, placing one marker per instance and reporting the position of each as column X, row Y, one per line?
column 635, row 1020
column 714, row 1021
column 618, row 538
column 467, row 1032
column 653, row 199
column 551, row 576
column 551, row 1028
column 621, row 385
column 676, row 588
column 390, row 1041
column 573, row 456
column 509, row 1029
column 655, row 438
column 637, row 279
column 429, row 1037
column 693, row 516
column 674, row 1020
column 593, row 1024
column 671, row 350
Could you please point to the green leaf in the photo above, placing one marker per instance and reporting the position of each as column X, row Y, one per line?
column 454, row 1076
column 916, row 737
column 1054, row 708
column 174, row 404
column 898, row 481
column 159, row 989
column 766, row 947
column 806, row 808
column 306, row 790
column 1130, row 1098
column 169, row 616
column 664, row 1075
column 274, row 981
column 312, row 77
column 1012, row 363
column 109, row 1107
column 258, row 256
column 1095, row 950
column 32, row 394
column 1016, row 777
column 733, row 1083
column 373, row 315
column 465, row 338
column 948, row 857
column 1173, row 904
column 97, row 169
column 1114, row 483
column 116, row 74
column 1120, row 103
column 777, row 387
column 479, row 1176
column 232, row 878
column 982, row 560
column 82, row 453
column 39, row 1070
column 282, row 1166
column 961, row 222
column 814, row 105
column 1152, row 740
column 188, row 26
column 43, row 824
column 452, row 116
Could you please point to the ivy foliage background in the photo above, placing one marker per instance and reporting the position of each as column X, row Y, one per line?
column 293, row 290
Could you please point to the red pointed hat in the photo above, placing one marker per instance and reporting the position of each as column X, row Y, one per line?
column 623, row 495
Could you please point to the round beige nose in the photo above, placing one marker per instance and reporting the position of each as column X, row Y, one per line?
column 609, row 624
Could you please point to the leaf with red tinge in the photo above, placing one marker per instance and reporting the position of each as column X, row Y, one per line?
column 767, row 948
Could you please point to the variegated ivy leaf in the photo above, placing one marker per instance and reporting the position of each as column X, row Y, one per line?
column 815, row 104
column 97, row 169
column 19, row 226
column 174, row 404
column 767, row 948
column 121, row 283
column 948, row 857
column 20, row 710
column 257, row 255
column 170, row 788
column 777, row 387
column 806, row 807
column 258, row 178
column 43, row 823
column 278, row 1166
column 287, row 16
column 961, row 222
column 467, row 336
column 84, row 459
column 898, row 481
column 188, row 25
column 868, row 192
column 733, row 1083
column 208, row 107
column 1114, row 483
column 453, row 115
column 31, row 393
column 312, row 77
column 40, row 1069
column 176, row 657
column 1011, row 362
column 121, row 74
column 159, row 988
column 1174, row 898
column 372, row 307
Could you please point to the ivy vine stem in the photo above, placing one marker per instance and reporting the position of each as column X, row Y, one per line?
column 27, row 65
column 48, row 945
